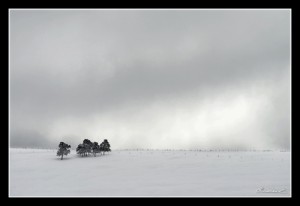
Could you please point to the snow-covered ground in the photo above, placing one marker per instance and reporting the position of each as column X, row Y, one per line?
column 36, row 172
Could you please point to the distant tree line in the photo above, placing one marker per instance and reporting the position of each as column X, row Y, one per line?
column 85, row 149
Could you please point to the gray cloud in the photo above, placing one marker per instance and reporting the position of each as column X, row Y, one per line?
column 151, row 78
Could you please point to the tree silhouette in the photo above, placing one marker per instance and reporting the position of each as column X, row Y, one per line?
column 95, row 148
column 80, row 150
column 85, row 148
column 63, row 149
column 105, row 146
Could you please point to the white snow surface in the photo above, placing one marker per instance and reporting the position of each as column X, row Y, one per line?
column 39, row 172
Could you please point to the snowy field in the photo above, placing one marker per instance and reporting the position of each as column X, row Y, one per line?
column 35, row 172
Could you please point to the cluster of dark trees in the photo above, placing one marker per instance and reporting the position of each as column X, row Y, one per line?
column 88, row 147
column 84, row 149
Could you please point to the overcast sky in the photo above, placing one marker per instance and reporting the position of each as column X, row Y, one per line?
column 178, row 79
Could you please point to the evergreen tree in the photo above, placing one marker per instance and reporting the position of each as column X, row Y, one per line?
column 85, row 148
column 102, row 148
column 80, row 150
column 63, row 149
column 88, row 146
column 95, row 148
column 105, row 146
